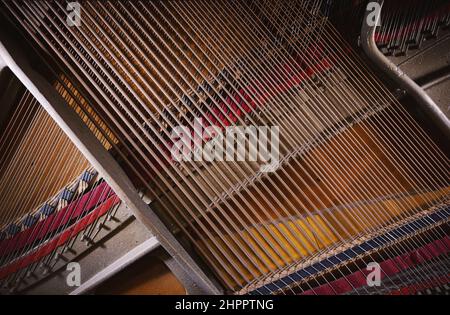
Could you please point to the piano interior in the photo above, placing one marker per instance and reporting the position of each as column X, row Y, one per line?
column 121, row 126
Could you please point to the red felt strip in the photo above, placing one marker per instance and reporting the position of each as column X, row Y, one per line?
column 58, row 240
column 50, row 224
column 414, row 288
column 390, row 267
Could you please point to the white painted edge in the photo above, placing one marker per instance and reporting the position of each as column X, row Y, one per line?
column 118, row 265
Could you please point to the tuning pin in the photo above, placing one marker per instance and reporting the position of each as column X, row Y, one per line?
column 88, row 240
column 57, row 256
column 46, row 270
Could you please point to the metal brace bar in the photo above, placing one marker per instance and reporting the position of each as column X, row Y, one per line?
column 97, row 155
column 423, row 99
